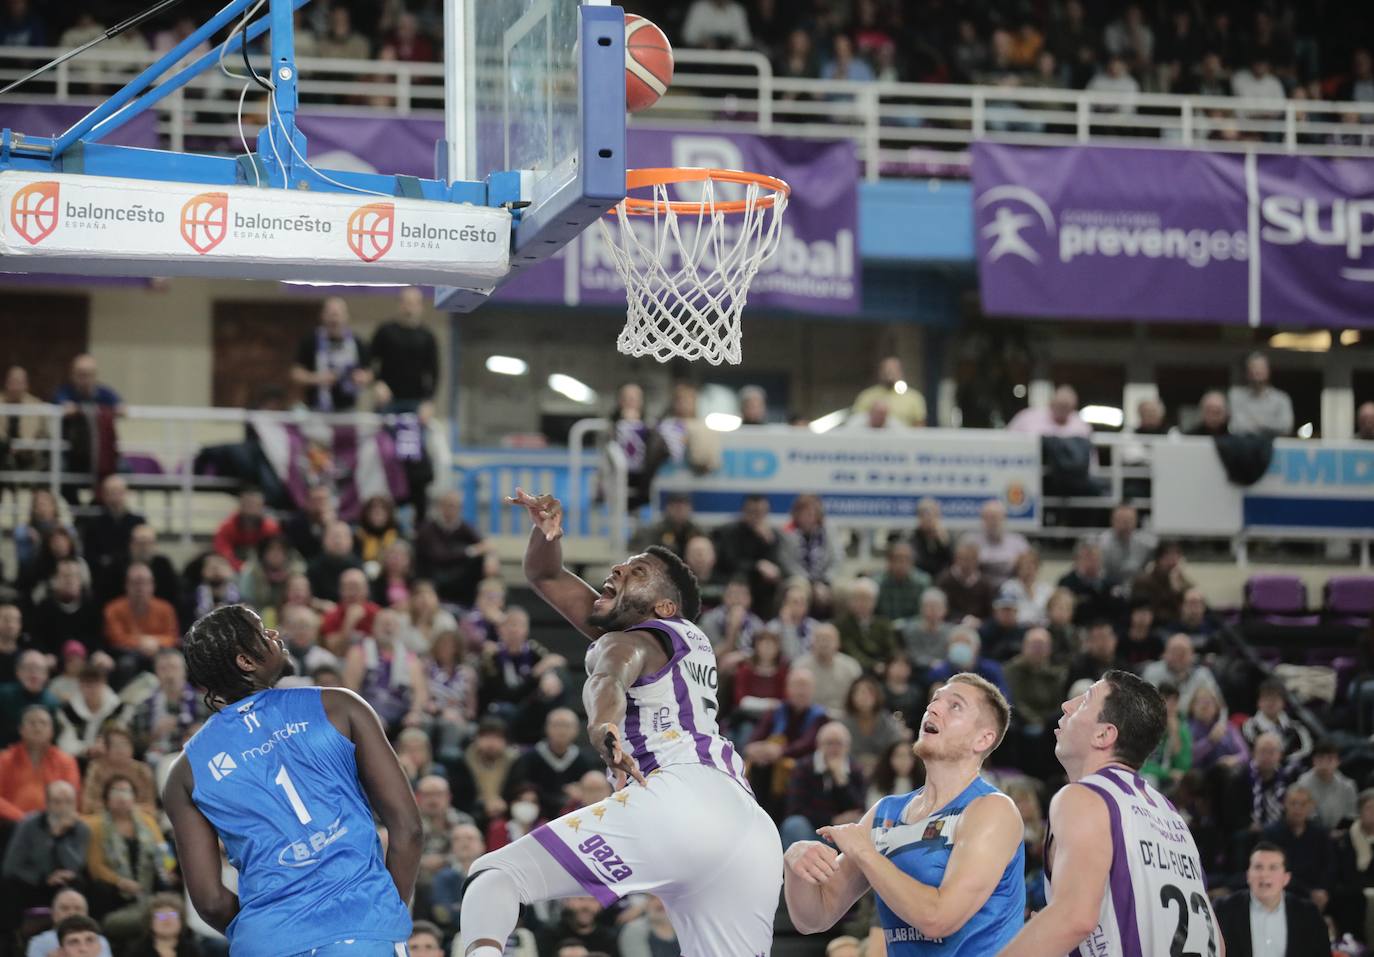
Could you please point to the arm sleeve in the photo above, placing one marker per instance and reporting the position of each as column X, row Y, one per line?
column 117, row 631
column 19, row 863
column 806, row 743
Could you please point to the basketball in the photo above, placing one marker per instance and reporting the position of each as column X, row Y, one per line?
column 648, row 63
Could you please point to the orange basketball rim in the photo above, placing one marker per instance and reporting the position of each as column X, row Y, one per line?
column 771, row 189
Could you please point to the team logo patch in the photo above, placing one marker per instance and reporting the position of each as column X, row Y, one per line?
column 371, row 229
column 205, row 221
column 34, row 211
column 221, row 766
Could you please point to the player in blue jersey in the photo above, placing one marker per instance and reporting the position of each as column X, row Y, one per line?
column 288, row 779
column 946, row 861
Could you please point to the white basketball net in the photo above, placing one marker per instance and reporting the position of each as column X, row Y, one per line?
column 686, row 281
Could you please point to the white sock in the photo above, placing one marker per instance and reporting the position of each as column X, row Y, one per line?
column 491, row 908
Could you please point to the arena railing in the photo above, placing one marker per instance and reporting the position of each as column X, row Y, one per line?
column 158, row 446
column 901, row 129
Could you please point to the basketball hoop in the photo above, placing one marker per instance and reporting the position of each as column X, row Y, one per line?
column 687, row 278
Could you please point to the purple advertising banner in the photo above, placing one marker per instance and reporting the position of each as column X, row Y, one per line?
column 816, row 267
column 1174, row 235
column 52, row 119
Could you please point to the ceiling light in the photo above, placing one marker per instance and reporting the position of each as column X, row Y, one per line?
column 899, row 387
column 1302, row 341
column 723, row 422
column 828, row 421
column 507, row 365
column 575, row 389
column 1104, row 415
column 1305, row 430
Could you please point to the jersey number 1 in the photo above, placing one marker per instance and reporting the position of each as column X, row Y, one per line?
column 292, row 795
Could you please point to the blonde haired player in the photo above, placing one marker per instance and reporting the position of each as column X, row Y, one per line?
column 946, row 861
column 687, row 830
column 1122, row 874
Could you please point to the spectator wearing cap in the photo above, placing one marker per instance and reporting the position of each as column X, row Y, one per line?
column 1162, row 583
column 1179, row 667
column 81, row 716
column 1271, row 717
column 968, row 592
column 1059, row 419
column 904, row 403
column 998, row 549
column 1258, row 407
column 674, row 530
column 865, row 636
column 1332, row 792
column 1125, row 548
column 238, row 536
column 1001, row 633
column 29, row 765
column 965, row 654
column 29, row 688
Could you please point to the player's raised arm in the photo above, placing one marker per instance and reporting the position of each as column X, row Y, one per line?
column 1082, row 862
column 820, row 885
column 569, row 595
column 384, row 782
column 990, row 832
column 197, row 850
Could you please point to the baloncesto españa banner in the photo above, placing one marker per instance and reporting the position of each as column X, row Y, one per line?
column 1158, row 234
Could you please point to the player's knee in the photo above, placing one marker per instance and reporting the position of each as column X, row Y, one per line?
column 497, row 868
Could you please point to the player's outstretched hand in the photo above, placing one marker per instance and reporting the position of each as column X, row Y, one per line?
column 622, row 762
column 545, row 511
column 812, row 861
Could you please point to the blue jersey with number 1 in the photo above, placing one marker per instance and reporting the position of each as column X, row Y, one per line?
column 280, row 785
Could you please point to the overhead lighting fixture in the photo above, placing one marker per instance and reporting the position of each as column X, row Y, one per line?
column 575, row 389
column 1305, row 430
column 507, row 365
column 1019, row 391
column 723, row 422
column 1350, row 337
column 828, row 421
column 1302, row 341
column 899, row 387
column 1104, row 415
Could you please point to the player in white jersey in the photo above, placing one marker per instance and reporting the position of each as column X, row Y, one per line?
column 1123, row 876
column 687, row 829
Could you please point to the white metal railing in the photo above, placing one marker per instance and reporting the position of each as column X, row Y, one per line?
column 902, row 129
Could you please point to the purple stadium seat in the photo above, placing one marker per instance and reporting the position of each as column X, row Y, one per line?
column 136, row 464
column 1349, row 600
column 1278, row 600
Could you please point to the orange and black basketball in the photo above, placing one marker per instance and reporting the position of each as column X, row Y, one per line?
column 648, row 63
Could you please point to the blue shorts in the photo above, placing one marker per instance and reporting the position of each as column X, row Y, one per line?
column 358, row 948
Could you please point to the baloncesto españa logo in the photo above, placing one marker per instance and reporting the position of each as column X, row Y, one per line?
column 34, row 211
column 205, row 221
column 371, row 231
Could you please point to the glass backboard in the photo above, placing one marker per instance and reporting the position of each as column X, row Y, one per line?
column 529, row 86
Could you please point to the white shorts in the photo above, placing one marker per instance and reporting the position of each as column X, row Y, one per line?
column 693, row 838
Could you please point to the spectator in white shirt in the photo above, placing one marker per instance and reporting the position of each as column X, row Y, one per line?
column 718, row 25
column 1115, row 79
column 1257, row 82
column 1060, row 418
column 1257, row 407
column 998, row 549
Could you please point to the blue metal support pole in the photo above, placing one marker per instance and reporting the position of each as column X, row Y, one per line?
column 169, row 86
column 281, row 118
column 139, row 83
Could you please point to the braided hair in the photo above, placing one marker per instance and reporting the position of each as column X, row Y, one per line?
column 212, row 645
